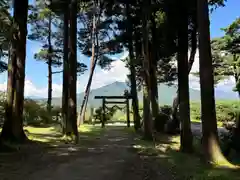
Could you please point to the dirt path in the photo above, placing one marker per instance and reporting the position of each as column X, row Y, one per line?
column 110, row 156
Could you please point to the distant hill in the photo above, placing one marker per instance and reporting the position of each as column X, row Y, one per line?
column 166, row 94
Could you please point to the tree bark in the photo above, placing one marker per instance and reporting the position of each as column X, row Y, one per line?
column 175, row 120
column 65, row 72
column 49, row 101
column 183, row 81
column 81, row 116
column 13, row 130
column 135, row 105
column 72, row 101
column 208, row 113
column 153, row 67
column 7, row 132
column 148, row 125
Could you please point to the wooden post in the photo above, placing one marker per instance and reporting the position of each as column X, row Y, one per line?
column 103, row 112
column 128, row 112
column 91, row 115
column 94, row 112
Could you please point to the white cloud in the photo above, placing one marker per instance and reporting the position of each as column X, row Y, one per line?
column 32, row 90
column 118, row 72
column 225, row 85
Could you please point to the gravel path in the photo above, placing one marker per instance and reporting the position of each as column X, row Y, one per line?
column 110, row 156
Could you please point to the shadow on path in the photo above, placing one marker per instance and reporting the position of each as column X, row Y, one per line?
column 102, row 154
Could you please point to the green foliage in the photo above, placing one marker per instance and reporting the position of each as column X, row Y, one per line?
column 225, row 110
column 34, row 113
column 109, row 112
column 96, row 28
column 226, row 54
column 43, row 22
column 5, row 32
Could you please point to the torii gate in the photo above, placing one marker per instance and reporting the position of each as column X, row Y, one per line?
column 126, row 97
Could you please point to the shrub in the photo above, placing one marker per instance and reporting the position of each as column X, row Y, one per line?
column 163, row 116
column 225, row 110
column 34, row 113
column 109, row 112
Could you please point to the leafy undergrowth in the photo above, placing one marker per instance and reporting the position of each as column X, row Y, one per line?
column 184, row 166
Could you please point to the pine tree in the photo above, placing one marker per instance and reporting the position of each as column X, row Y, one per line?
column 43, row 21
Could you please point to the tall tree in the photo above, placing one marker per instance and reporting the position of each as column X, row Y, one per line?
column 148, row 126
column 96, row 41
column 153, row 67
column 132, row 61
column 65, row 70
column 13, row 125
column 72, row 99
column 42, row 21
column 208, row 112
column 94, row 57
column 183, row 81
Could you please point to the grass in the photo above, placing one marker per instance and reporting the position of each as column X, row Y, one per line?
column 219, row 124
column 184, row 166
column 53, row 134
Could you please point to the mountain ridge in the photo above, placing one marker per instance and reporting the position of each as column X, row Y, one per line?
column 166, row 94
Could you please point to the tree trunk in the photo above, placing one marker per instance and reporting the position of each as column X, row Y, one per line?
column 94, row 58
column 146, row 67
column 208, row 113
column 7, row 132
column 92, row 68
column 135, row 105
column 147, row 123
column 175, row 122
column 49, row 101
column 15, row 131
column 65, row 73
column 183, row 81
column 153, row 70
column 72, row 114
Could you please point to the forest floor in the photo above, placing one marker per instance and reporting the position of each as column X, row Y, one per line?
column 113, row 153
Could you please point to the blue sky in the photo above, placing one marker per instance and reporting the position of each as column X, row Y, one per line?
column 36, row 71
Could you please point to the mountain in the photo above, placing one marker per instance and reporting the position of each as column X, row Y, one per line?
column 114, row 89
column 219, row 94
column 166, row 94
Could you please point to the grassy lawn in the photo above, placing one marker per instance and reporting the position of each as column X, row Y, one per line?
column 185, row 166
column 219, row 124
column 53, row 133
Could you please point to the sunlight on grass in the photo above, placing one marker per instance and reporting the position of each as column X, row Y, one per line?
column 219, row 124
column 41, row 130
column 42, row 134
column 186, row 166
column 85, row 128
column 53, row 134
